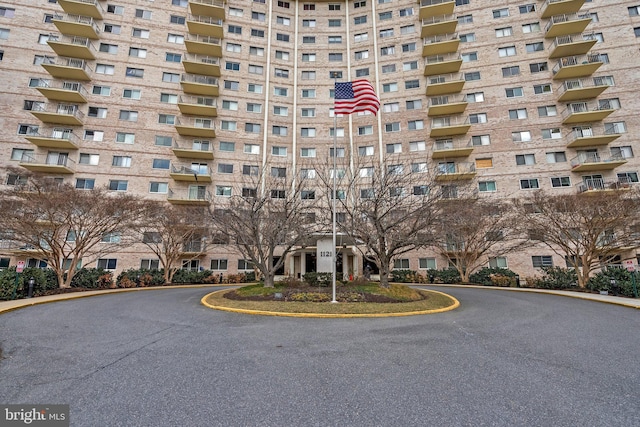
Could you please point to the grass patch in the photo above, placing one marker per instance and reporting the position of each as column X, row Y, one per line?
column 396, row 299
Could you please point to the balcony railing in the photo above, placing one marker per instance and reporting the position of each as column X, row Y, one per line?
column 438, row 19
column 595, row 184
column 190, row 195
column 205, row 19
column 210, row 60
column 585, row 107
column 570, row 17
column 198, row 100
column 196, row 78
column 444, row 122
column 63, row 109
column 440, row 38
column 63, row 61
column 48, row 159
column 583, row 158
column 218, row 3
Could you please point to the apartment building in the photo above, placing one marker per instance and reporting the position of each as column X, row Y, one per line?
column 177, row 100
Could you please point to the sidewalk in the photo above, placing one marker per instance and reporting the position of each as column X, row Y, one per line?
column 609, row 299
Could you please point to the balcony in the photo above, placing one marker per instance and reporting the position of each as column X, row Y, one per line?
column 451, row 171
column 199, row 85
column 198, row 150
column 574, row 44
column 195, row 248
column 595, row 185
column 90, row 8
column 440, row 44
column 64, row 114
column 195, row 195
column 72, row 46
column 449, row 148
column 442, row 64
column 60, row 138
column 444, row 84
column 576, row 66
column 204, row 45
column 443, row 24
column 197, row 126
column 205, row 26
column 198, row 105
column 562, row 25
column 77, row 25
column 203, row 65
column 586, row 136
column 212, row 8
column 585, row 112
column 560, row 7
column 449, row 126
column 68, row 68
column 431, row 8
column 53, row 162
column 591, row 161
column 185, row 173
column 573, row 90
column 446, row 105
column 56, row 90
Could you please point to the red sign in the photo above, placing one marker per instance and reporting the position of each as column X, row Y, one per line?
column 20, row 267
column 629, row 265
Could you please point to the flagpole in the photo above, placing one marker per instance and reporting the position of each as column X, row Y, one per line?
column 335, row 195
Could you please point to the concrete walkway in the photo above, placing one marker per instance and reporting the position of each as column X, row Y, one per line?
column 20, row 303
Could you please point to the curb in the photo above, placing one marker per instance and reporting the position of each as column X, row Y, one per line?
column 455, row 305
column 608, row 299
column 29, row 302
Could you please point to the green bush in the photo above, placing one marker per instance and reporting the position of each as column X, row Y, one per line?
column 494, row 276
column 407, row 276
column 43, row 283
column 601, row 281
column 140, row 277
column 557, row 278
column 318, row 279
column 446, row 275
column 310, row 297
column 92, row 278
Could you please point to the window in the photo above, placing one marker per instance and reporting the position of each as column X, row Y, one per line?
column 514, row 92
column 98, row 112
column 417, row 146
column 547, row 111
column 518, row 114
column 525, row 159
column 538, row 67
column 563, row 181
column 415, row 124
column 360, row 20
column 540, row 89
column 308, row 132
column 513, row 70
column 232, row 66
column 251, row 149
column 93, row 135
column 85, row 184
column 478, row 118
column 475, row 97
column 412, row 84
column 527, row 8
column 521, row 136
column 279, row 151
column 501, row 13
column 504, row 32
column 474, row 75
column 334, row 6
column 484, row 163
column 468, row 57
column 414, row 104
column 628, row 177
column 282, row 37
column 469, row 37
column 367, row 130
column 388, row 50
column 625, row 152
column 278, row 72
column 158, row 187
column 533, row 27
column 105, row 69
column 280, row 91
column 121, row 161
column 507, row 51
column 487, row 186
column 556, row 157
column 89, row 159
column 168, row 98
column 420, row 190
column 615, row 128
column 118, row 185
column 110, row 48
column 176, row 19
column 542, row 261
column 477, row 140
column 126, row 138
column 225, row 168
column 134, row 72
column 388, row 127
column 256, row 69
column 279, row 130
column 634, row 10
column 534, row 47
column 391, row 107
column 129, row 115
column 250, row 170
column 140, row 33
column 388, row 32
column 526, row 184
column 390, row 87
column 112, row 28
column 7, row 12
column 361, row 37
column 170, row 77
column 107, row 263
column 223, row 190
column 465, row 19
column 401, row 264
column 420, row 167
column 257, row 33
column 551, row 133
column 335, row 57
column 144, row 14
column 408, row 29
column 428, row 263
column 498, row 262
column 365, row 150
column 161, row 164
column 335, row 39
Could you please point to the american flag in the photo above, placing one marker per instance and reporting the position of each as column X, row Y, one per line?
column 351, row 97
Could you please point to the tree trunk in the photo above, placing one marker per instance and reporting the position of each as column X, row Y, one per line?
column 384, row 274
column 269, row 280
column 61, row 283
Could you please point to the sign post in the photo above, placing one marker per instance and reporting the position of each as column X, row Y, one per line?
column 632, row 270
column 19, row 269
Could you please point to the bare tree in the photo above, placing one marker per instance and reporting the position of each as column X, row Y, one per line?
column 589, row 230
column 67, row 227
column 388, row 208
column 471, row 229
column 269, row 215
column 174, row 234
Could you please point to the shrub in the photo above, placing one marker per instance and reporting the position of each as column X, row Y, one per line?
column 43, row 282
column 494, row 276
column 446, row 275
column 92, row 278
column 310, row 297
column 601, row 281
column 140, row 277
column 407, row 276
column 557, row 278
column 318, row 279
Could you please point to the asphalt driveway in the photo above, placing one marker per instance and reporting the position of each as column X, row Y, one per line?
column 159, row 358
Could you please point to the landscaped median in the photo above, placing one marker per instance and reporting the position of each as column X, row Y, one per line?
column 397, row 300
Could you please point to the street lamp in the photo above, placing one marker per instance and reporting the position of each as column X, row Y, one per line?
column 32, row 282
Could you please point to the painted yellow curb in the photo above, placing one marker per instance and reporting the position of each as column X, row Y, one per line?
column 204, row 302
